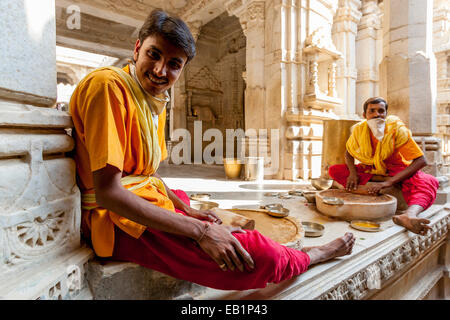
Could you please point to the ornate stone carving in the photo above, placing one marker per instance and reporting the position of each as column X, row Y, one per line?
column 360, row 284
column 204, row 79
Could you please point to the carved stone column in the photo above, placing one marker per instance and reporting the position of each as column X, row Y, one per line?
column 411, row 90
column 344, row 35
column 441, row 48
column 257, row 114
column 368, row 56
column 39, row 198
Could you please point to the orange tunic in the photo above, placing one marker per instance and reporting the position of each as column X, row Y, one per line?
column 401, row 156
column 107, row 132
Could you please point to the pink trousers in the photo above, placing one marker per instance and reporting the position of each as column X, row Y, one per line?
column 419, row 189
column 182, row 258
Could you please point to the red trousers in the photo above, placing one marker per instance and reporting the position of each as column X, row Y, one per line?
column 182, row 258
column 419, row 189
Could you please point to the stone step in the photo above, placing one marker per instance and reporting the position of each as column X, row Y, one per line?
column 114, row 280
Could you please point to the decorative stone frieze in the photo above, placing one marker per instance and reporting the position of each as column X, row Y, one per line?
column 372, row 277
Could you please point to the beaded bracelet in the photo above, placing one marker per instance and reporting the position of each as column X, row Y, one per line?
column 204, row 232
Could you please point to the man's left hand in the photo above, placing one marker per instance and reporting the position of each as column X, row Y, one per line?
column 206, row 215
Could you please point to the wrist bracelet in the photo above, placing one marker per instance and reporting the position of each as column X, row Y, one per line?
column 204, row 232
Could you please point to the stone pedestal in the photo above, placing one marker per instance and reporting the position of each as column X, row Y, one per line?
column 40, row 201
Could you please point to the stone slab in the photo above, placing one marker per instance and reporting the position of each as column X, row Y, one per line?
column 113, row 280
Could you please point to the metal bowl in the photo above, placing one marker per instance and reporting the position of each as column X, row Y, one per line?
column 310, row 196
column 200, row 196
column 278, row 213
column 365, row 225
column 313, row 229
column 204, row 205
column 232, row 168
column 321, row 183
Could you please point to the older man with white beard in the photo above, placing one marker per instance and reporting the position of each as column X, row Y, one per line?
column 387, row 152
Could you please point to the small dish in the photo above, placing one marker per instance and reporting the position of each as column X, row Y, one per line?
column 278, row 213
column 333, row 201
column 365, row 225
column 313, row 229
column 200, row 196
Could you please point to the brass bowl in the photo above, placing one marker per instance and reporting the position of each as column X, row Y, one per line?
column 321, row 183
column 204, row 205
column 200, row 196
column 232, row 168
column 313, row 229
column 310, row 196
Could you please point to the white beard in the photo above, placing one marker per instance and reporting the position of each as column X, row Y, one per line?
column 377, row 126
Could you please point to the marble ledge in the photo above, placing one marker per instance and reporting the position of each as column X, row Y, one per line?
column 326, row 280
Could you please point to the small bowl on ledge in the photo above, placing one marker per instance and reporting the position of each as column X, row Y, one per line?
column 322, row 183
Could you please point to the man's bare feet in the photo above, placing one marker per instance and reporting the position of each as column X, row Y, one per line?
column 413, row 224
column 410, row 221
column 336, row 248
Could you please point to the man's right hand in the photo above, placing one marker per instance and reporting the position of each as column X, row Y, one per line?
column 352, row 181
column 219, row 243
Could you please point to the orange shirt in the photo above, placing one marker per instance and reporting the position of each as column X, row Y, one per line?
column 401, row 156
column 107, row 132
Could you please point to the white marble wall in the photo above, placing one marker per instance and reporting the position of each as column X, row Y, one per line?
column 39, row 198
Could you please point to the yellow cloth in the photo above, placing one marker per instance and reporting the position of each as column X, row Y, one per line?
column 108, row 131
column 152, row 151
column 359, row 144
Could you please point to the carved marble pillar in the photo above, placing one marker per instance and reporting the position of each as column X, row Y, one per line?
column 441, row 48
column 411, row 90
column 39, row 198
column 344, row 37
column 252, row 17
column 316, row 60
column 367, row 55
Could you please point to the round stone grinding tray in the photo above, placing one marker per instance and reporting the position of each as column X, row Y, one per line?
column 356, row 206
column 287, row 231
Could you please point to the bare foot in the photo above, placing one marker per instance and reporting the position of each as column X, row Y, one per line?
column 336, row 248
column 413, row 224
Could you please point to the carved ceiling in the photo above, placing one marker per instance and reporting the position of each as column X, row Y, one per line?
column 110, row 27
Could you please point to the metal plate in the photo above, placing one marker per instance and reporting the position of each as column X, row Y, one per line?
column 313, row 229
column 370, row 225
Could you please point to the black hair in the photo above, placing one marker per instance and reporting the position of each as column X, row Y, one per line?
column 374, row 100
column 170, row 28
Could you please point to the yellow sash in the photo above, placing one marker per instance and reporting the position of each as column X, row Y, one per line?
column 359, row 144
